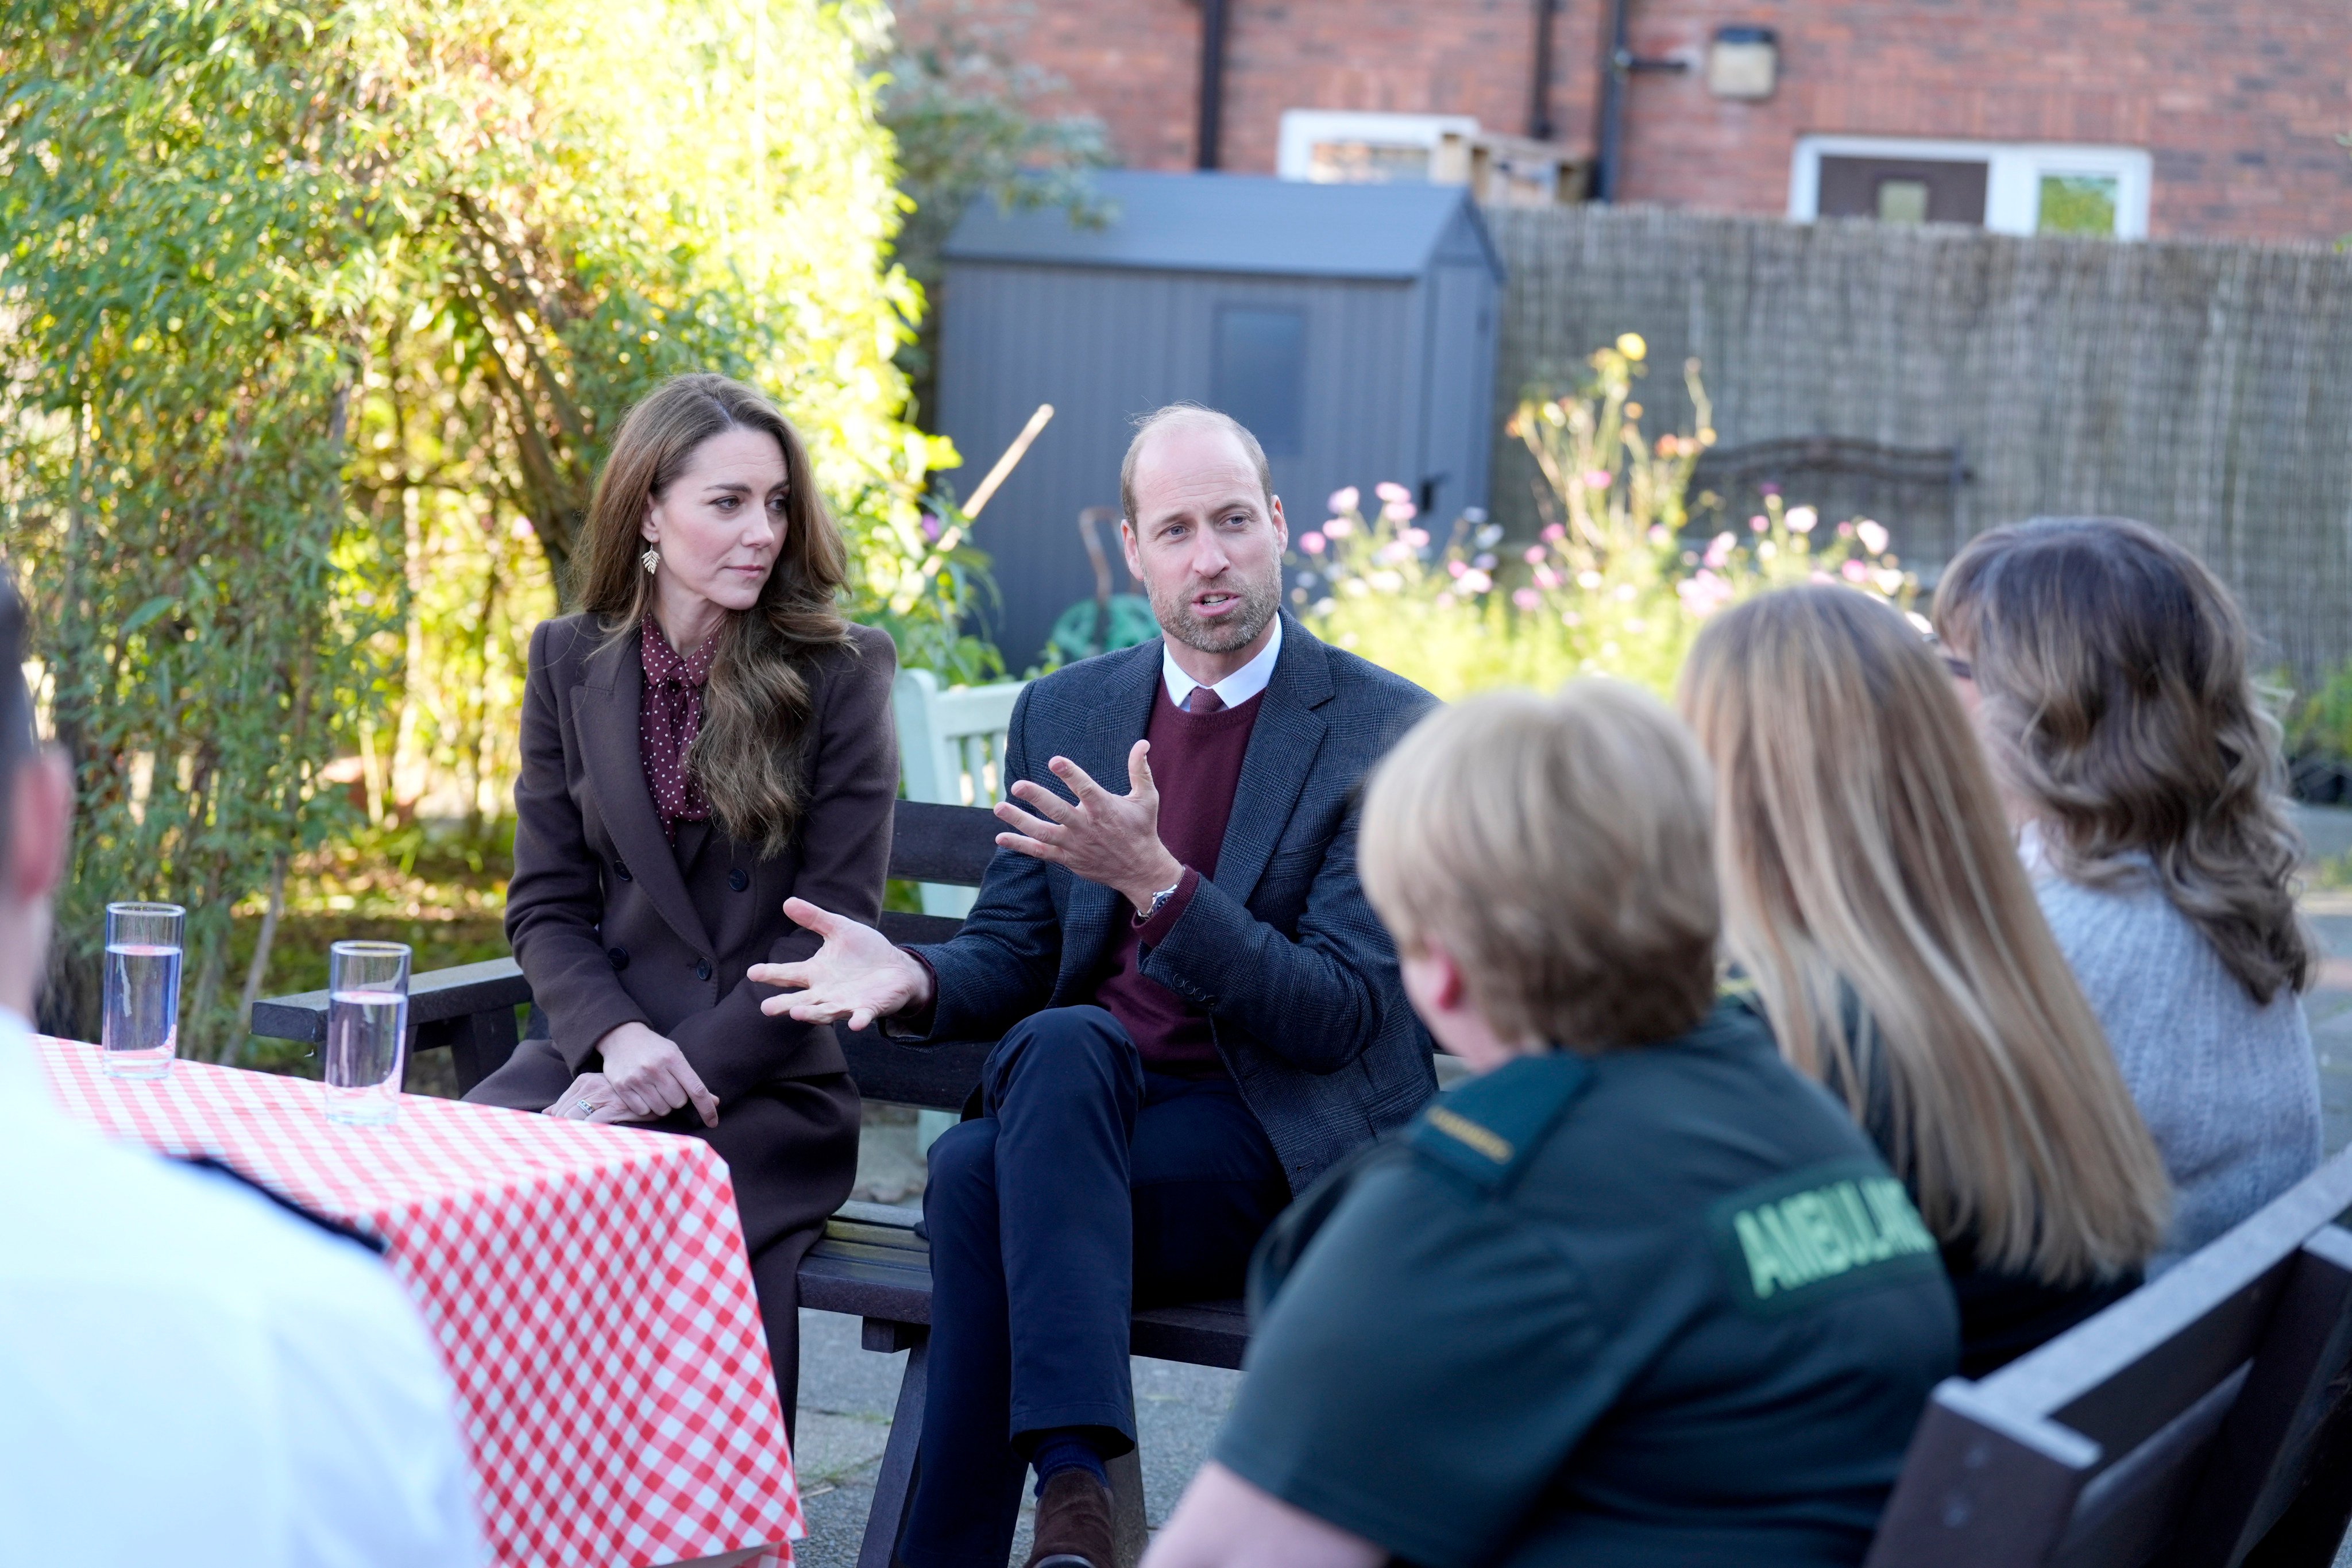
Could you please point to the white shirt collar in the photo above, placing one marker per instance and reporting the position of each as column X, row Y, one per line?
column 1236, row 689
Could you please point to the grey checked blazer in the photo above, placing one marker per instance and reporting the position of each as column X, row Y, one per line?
column 1298, row 976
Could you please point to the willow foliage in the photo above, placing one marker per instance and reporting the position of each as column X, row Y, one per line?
column 314, row 324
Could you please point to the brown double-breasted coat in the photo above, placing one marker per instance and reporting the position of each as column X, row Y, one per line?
column 612, row 923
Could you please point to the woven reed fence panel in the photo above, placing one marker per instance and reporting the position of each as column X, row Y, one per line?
column 2204, row 388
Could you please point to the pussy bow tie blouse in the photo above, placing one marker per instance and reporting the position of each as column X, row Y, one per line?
column 668, row 722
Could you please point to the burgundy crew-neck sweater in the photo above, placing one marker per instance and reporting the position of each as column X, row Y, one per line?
column 1196, row 764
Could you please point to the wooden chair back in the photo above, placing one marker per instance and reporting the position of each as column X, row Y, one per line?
column 951, row 752
column 2204, row 1421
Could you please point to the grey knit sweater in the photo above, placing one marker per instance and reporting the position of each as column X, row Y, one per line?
column 2228, row 1088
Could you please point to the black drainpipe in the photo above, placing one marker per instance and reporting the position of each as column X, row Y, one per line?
column 1213, row 79
column 1618, row 63
column 1540, row 124
column 1604, row 185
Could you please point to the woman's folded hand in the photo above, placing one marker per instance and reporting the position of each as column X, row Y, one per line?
column 650, row 1077
column 590, row 1097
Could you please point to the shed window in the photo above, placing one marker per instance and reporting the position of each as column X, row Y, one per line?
column 1259, row 372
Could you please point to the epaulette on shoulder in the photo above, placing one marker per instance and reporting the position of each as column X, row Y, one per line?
column 1487, row 1129
column 327, row 1222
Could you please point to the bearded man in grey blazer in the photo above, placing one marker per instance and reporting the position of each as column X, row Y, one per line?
column 1198, row 1012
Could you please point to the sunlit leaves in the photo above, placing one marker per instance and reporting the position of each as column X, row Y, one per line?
column 315, row 322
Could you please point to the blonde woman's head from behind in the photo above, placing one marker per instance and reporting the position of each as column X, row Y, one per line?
column 1544, row 865
column 1875, row 900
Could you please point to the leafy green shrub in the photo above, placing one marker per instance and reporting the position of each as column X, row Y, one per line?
column 315, row 323
column 1612, row 585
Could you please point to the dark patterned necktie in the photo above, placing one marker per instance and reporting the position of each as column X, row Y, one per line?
column 1202, row 700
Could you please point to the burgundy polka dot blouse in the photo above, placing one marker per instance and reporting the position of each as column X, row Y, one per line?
column 668, row 722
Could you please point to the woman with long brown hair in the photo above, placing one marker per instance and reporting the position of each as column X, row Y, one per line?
column 1874, row 902
column 2108, row 672
column 705, row 738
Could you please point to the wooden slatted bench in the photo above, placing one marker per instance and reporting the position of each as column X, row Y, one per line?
column 870, row 1264
column 2203, row 1421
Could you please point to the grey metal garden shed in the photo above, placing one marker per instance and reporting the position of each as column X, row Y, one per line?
column 1351, row 327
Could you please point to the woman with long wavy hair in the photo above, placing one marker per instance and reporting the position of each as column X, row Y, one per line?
column 703, row 739
column 1879, row 918
column 2107, row 669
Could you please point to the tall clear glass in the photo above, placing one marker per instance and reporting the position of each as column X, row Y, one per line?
column 141, row 1028
column 367, row 1031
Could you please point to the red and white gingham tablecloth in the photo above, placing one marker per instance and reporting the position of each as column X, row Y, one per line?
column 588, row 1286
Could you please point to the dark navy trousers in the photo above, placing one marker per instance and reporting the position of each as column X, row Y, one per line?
column 1087, row 1186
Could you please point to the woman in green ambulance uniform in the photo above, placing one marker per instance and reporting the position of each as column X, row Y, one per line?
column 1637, row 1294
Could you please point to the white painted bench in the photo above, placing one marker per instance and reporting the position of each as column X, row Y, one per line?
column 951, row 752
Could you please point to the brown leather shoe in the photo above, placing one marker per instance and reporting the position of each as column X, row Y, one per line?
column 1073, row 1525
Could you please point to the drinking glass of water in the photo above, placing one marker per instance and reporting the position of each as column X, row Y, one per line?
column 367, row 1031
column 142, row 989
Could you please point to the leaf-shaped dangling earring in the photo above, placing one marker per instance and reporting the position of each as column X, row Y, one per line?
column 650, row 560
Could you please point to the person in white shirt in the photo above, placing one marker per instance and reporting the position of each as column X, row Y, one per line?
column 188, row 1372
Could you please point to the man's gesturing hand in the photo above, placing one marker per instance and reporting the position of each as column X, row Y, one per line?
column 1111, row 840
column 857, row 974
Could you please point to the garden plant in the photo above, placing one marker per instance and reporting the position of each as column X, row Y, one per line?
column 314, row 322
column 1615, row 583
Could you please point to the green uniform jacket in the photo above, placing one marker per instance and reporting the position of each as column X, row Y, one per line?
column 1660, row 1306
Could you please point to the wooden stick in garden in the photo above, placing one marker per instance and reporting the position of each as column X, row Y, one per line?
column 1012, row 458
column 945, row 547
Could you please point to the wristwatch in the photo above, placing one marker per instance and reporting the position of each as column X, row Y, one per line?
column 1159, row 897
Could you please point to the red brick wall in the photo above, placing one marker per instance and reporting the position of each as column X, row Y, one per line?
column 2239, row 101
column 1137, row 64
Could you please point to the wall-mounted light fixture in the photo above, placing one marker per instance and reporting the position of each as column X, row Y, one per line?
column 1743, row 62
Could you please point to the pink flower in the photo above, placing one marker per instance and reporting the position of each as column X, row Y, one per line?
column 1476, row 581
column 1392, row 492
column 1444, row 601
column 1845, row 530
column 1400, row 511
column 1704, row 593
column 1802, row 518
column 1339, row 527
column 1718, row 550
column 1526, row 599
column 1533, row 555
column 1767, row 488
column 1313, row 544
column 522, row 529
column 1658, row 534
column 1873, row 536
column 1759, row 523
column 1889, row 580
column 1853, row 572
column 1546, row 578
column 1556, row 532
column 1345, row 500
column 1598, row 479
column 1455, row 568
column 931, row 528
column 1416, row 537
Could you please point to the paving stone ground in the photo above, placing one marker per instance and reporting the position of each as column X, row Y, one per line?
column 847, row 1393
